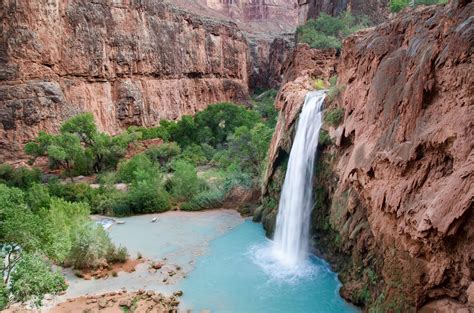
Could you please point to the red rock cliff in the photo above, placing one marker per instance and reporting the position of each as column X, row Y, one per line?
column 130, row 63
column 268, row 25
column 394, row 192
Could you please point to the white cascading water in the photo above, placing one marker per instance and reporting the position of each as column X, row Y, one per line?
column 286, row 257
column 296, row 201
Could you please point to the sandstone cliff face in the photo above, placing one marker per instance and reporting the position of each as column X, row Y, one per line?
column 128, row 62
column 376, row 10
column 268, row 25
column 394, row 192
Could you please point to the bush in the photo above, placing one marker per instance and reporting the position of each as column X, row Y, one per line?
column 33, row 279
column 164, row 153
column 118, row 255
column 75, row 192
column 184, row 183
column 319, row 84
column 398, row 5
column 37, row 197
column 59, row 225
column 194, row 154
column 3, row 295
column 328, row 31
column 264, row 105
column 114, row 203
column 147, row 195
column 128, row 169
column 90, row 246
column 334, row 88
column 249, row 147
column 324, row 138
column 20, row 177
column 208, row 199
column 334, row 117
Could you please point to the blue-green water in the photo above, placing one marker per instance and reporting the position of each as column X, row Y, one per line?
column 231, row 277
column 228, row 264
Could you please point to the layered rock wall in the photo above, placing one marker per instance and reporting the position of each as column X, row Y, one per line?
column 375, row 10
column 268, row 25
column 394, row 191
column 128, row 62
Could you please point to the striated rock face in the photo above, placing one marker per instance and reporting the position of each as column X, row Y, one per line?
column 128, row 62
column 394, row 192
column 409, row 118
column 376, row 10
column 268, row 25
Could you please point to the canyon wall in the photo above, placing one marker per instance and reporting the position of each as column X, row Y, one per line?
column 128, row 62
column 376, row 10
column 393, row 186
column 268, row 26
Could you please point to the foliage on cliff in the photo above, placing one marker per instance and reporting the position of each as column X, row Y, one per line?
column 398, row 5
column 328, row 31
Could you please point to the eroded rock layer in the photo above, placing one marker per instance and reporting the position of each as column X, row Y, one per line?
column 394, row 190
column 375, row 10
column 128, row 62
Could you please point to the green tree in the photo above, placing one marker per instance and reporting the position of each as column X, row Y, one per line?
column 33, row 279
column 3, row 295
column 163, row 153
column 249, row 147
column 184, row 182
column 82, row 125
column 128, row 169
column 65, row 151
column 19, row 228
column 328, row 31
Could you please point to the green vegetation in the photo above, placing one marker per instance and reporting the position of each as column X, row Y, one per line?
column 327, row 31
column 334, row 88
column 38, row 228
column 398, row 5
column 334, row 116
column 44, row 220
column 79, row 149
column 319, row 84
column 33, row 279
column 324, row 138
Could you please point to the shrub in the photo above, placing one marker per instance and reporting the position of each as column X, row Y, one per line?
column 264, row 105
column 184, row 183
column 147, row 195
column 33, row 279
column 90, row 245
column 164, row 153
column 20, row 177
column 328, row 31
column 208, row 199
column 319, row 84
column 324, row 138
column 3, row 295
column 194, row 154
column 75, row 192
column 37, row 197
column 128, row 169
column 59, row 225
column 118, row 255
column 334, row 88
column 248, row 147
column 398, row 5
column 114, row 203
column 334, row 117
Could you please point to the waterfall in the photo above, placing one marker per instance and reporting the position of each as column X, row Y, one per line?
column 291, row 240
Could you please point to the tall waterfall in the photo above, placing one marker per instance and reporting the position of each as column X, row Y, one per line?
column 291, row 238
